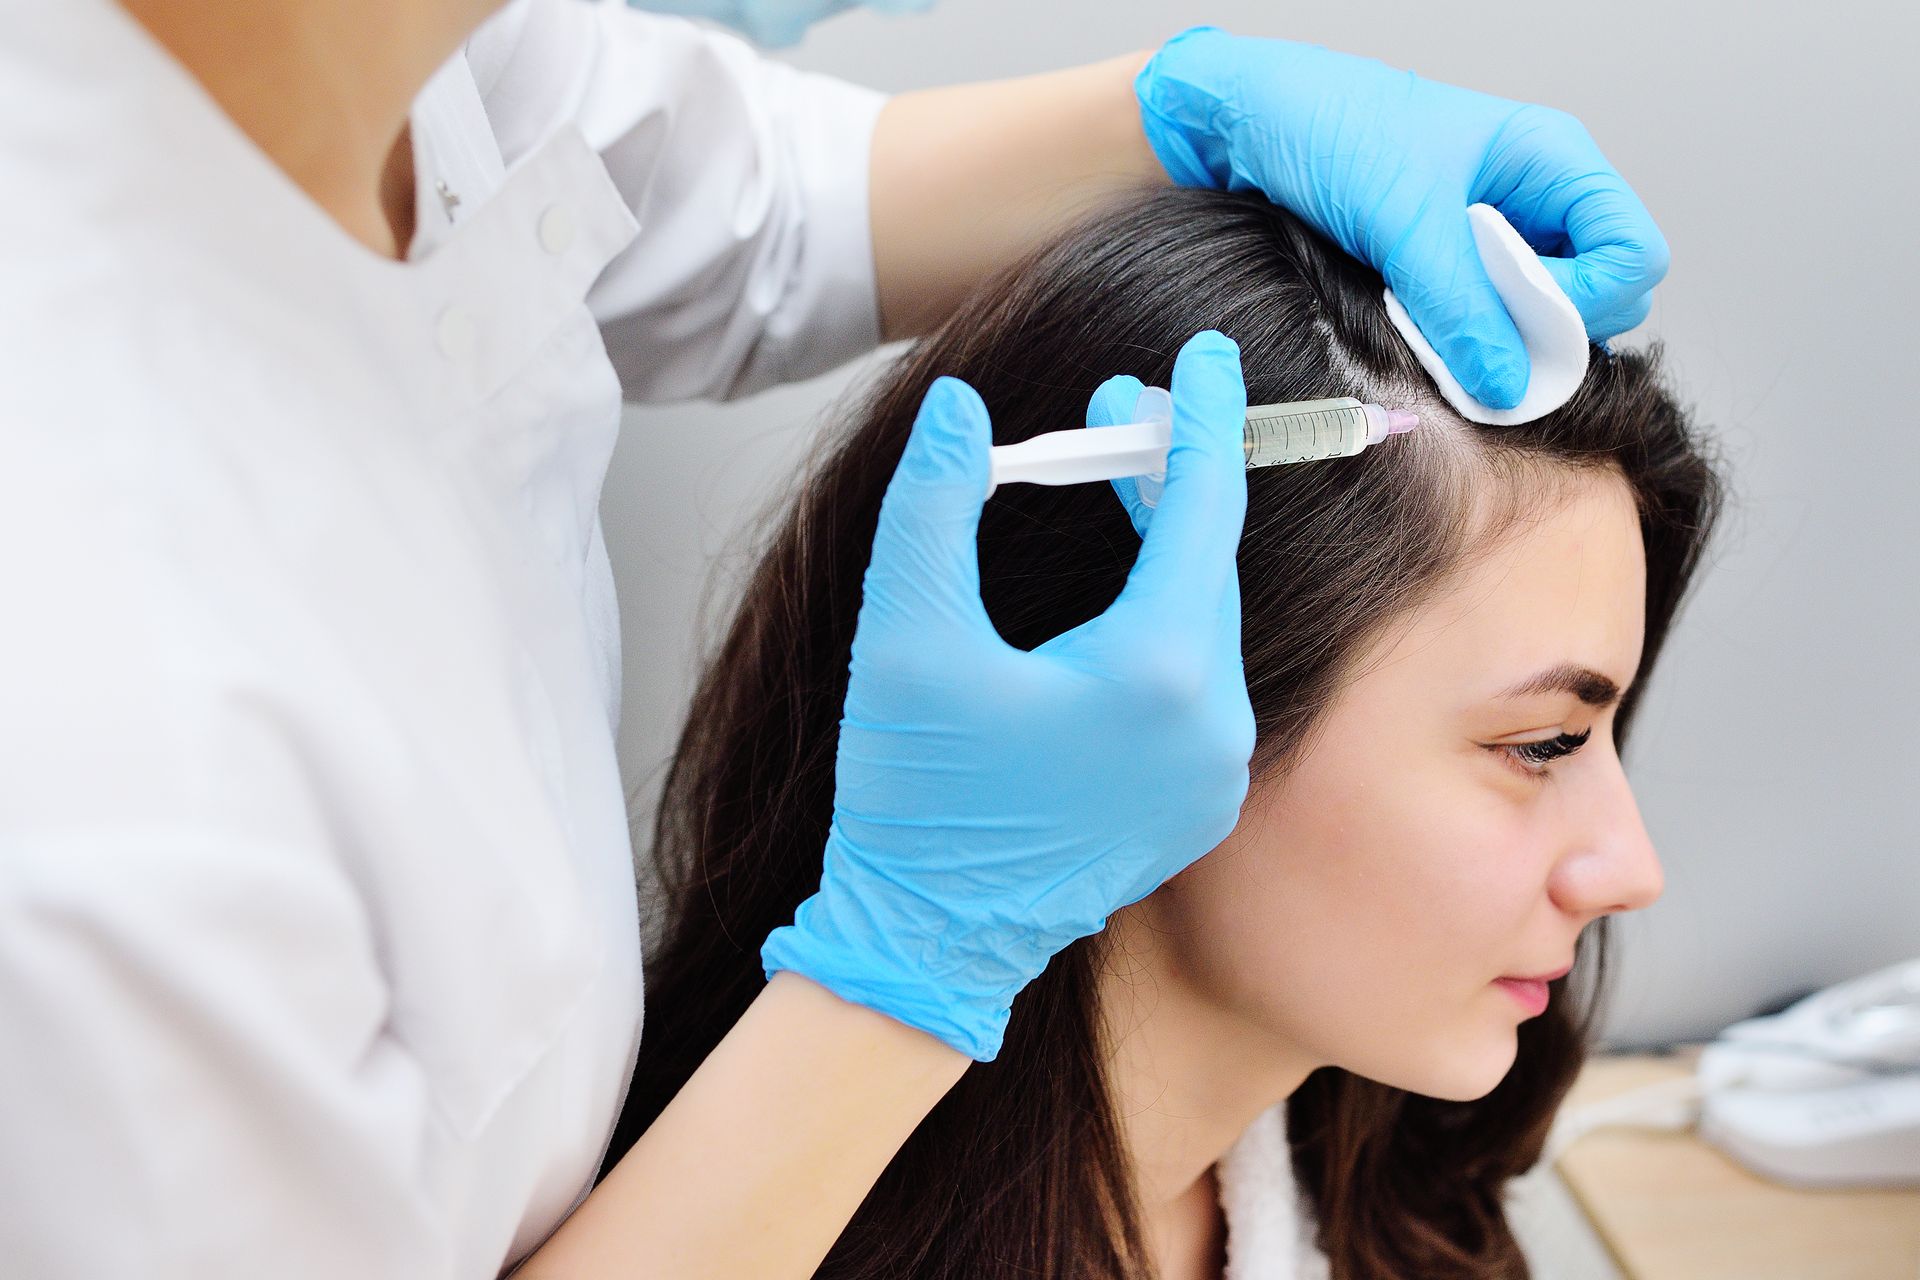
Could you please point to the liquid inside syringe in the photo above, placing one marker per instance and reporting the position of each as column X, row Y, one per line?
column 1276, row 434
column 1310, row 430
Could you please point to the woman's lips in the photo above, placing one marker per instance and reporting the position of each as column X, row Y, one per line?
column 1561, row 972
column 1530, row 992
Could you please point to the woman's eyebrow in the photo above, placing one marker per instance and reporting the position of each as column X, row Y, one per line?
column 1583, row 683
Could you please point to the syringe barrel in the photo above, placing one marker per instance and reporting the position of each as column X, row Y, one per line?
column 1305, row 431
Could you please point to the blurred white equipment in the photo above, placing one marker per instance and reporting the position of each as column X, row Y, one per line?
column 1827, row 1092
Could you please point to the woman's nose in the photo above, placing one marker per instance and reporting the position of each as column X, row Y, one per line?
column 1610, row 864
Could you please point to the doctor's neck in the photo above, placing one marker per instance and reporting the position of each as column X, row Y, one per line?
column 323, row 89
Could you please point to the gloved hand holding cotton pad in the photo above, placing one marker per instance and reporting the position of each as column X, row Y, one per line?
column 1550, row 326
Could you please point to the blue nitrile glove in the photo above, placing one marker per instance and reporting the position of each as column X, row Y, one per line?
column 1112, row 406
column 1385, row 164
column 992, row 805
column 774, row 23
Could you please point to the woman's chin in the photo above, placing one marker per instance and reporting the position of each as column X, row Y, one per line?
column 1458, row 1071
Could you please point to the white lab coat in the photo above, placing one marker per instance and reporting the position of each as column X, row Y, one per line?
column 318, row 948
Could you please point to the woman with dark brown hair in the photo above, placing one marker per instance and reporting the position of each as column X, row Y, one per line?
column 1331, row 1042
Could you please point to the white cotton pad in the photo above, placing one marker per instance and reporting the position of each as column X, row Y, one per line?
column 1549, row 324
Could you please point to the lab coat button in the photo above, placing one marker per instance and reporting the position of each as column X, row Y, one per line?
column 556, row 229
column 456, row 335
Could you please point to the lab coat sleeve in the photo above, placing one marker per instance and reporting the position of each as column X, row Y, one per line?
column 754, row 262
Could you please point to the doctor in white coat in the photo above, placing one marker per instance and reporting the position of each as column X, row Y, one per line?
column 318, row 940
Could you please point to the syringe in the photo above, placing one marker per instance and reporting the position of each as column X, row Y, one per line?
column 1276, row 434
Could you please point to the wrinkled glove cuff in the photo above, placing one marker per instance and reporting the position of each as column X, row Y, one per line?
column 900, row 959
column 1179, row 117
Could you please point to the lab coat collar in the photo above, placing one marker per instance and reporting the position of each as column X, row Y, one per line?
column 496, row 262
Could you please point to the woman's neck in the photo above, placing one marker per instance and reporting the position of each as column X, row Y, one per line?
column 1188, row 1079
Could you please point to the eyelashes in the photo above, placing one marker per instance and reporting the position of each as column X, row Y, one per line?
column 1536, row 756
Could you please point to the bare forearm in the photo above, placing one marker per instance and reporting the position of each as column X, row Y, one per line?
column 759, row 1162
column 966, row 179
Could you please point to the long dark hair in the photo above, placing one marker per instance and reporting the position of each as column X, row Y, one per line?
column 1020, row 1170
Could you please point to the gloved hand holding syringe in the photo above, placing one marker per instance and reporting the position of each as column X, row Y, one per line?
column 1276, row 434
column 993, row 803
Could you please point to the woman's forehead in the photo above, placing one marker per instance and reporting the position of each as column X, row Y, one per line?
column 1562, row 581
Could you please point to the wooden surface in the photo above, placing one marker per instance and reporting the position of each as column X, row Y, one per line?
column 1671, row 1207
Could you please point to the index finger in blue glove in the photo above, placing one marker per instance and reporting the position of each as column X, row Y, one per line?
column 1437, row 275
column 1112, row 405
column 1611, row 324
column 1547, row 176
column 1187, row 558
column 1611, row 279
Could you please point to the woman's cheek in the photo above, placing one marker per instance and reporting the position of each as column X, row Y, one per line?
column 1448, row 881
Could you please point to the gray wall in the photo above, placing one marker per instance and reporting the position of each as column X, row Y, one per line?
column 1775, row 144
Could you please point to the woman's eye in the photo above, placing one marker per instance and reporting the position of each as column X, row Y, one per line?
column 1536, row 756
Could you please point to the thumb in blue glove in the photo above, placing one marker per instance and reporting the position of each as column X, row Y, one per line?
column 1113, row 404
column 992, row 805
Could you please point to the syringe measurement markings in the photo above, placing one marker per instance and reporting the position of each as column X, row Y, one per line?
column 1325, row 427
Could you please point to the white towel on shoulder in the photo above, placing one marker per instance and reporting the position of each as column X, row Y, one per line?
column 1270, row 1225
